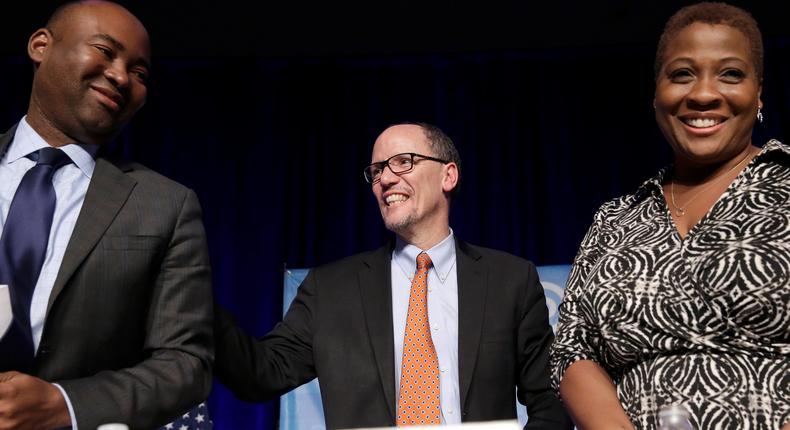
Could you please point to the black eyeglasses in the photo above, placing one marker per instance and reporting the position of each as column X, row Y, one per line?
column 398, row 163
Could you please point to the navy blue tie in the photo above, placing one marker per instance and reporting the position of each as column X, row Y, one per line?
column 23, row 247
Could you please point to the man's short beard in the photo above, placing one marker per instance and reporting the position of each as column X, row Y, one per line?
column 401, row 225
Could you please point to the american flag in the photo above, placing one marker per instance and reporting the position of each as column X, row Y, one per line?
column 195, row 419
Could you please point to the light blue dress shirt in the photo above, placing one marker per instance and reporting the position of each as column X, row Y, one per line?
column 442, row 315
column 71, row 183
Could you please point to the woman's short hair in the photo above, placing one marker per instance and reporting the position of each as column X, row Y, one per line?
column 713, row 13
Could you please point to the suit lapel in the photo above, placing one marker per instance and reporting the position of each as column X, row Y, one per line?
column 472, row 290
column 108, row 191
column 376, row 292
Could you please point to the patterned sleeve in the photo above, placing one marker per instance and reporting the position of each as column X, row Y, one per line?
column 577, row 338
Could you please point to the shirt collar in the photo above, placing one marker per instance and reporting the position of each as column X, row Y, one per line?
column 772, row 146
column 442, row 256
column 26, row 141
column 653, row 185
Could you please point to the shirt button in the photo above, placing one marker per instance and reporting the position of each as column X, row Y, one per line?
column 435, row 327
column 450, row 411
column 443, row 369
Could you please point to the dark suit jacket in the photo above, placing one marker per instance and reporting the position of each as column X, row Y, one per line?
column 128, row 325
column 339, row 329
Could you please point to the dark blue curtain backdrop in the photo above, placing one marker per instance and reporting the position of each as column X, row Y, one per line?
column 275, row 150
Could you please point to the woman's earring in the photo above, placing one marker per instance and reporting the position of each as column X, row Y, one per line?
column 759, row 114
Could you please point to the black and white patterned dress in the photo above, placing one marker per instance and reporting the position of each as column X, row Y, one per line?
column 704, row 321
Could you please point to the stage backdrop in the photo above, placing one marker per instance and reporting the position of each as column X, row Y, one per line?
column 275, row 146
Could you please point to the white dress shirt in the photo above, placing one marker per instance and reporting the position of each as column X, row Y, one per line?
column 442, row 315
column 71, row 183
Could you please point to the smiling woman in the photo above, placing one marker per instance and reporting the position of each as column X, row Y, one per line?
column 680, row 292
column 707, row 99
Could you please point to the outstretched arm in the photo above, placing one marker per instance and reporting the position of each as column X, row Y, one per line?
column 262, row 369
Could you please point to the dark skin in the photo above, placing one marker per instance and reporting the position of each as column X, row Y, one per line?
column 707, row 95
column 591, row 398
column 27, row 402
column 91, row 66
column 697, row 197
column 91, row 71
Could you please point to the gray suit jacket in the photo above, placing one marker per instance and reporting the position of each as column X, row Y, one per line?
column 339, row 329
column 128, row 325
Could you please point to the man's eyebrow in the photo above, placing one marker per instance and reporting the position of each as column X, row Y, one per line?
column 118, row 45
column 111, row 40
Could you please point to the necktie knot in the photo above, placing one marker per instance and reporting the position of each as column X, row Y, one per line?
column 423, row 261
column 50, row 157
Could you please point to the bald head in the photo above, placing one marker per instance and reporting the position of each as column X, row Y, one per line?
column 91, row 65
column 414, row 185
column 71, row 12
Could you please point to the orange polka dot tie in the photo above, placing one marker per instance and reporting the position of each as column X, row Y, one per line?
column 418, row 403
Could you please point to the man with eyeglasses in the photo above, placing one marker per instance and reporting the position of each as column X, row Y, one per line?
column 428, row 330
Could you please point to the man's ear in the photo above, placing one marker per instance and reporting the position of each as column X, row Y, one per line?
column 450, row 179
column 38, row 44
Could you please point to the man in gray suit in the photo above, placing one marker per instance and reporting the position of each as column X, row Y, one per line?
column 119, row 321
column 481, row 321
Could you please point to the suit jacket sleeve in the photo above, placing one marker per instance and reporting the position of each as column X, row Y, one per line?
column 265, row 368
column 175, row 371
column 544, row 407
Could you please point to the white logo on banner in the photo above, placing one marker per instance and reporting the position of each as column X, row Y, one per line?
column 554, row 294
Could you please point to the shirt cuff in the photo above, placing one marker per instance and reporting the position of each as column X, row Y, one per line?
column 68, row 404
